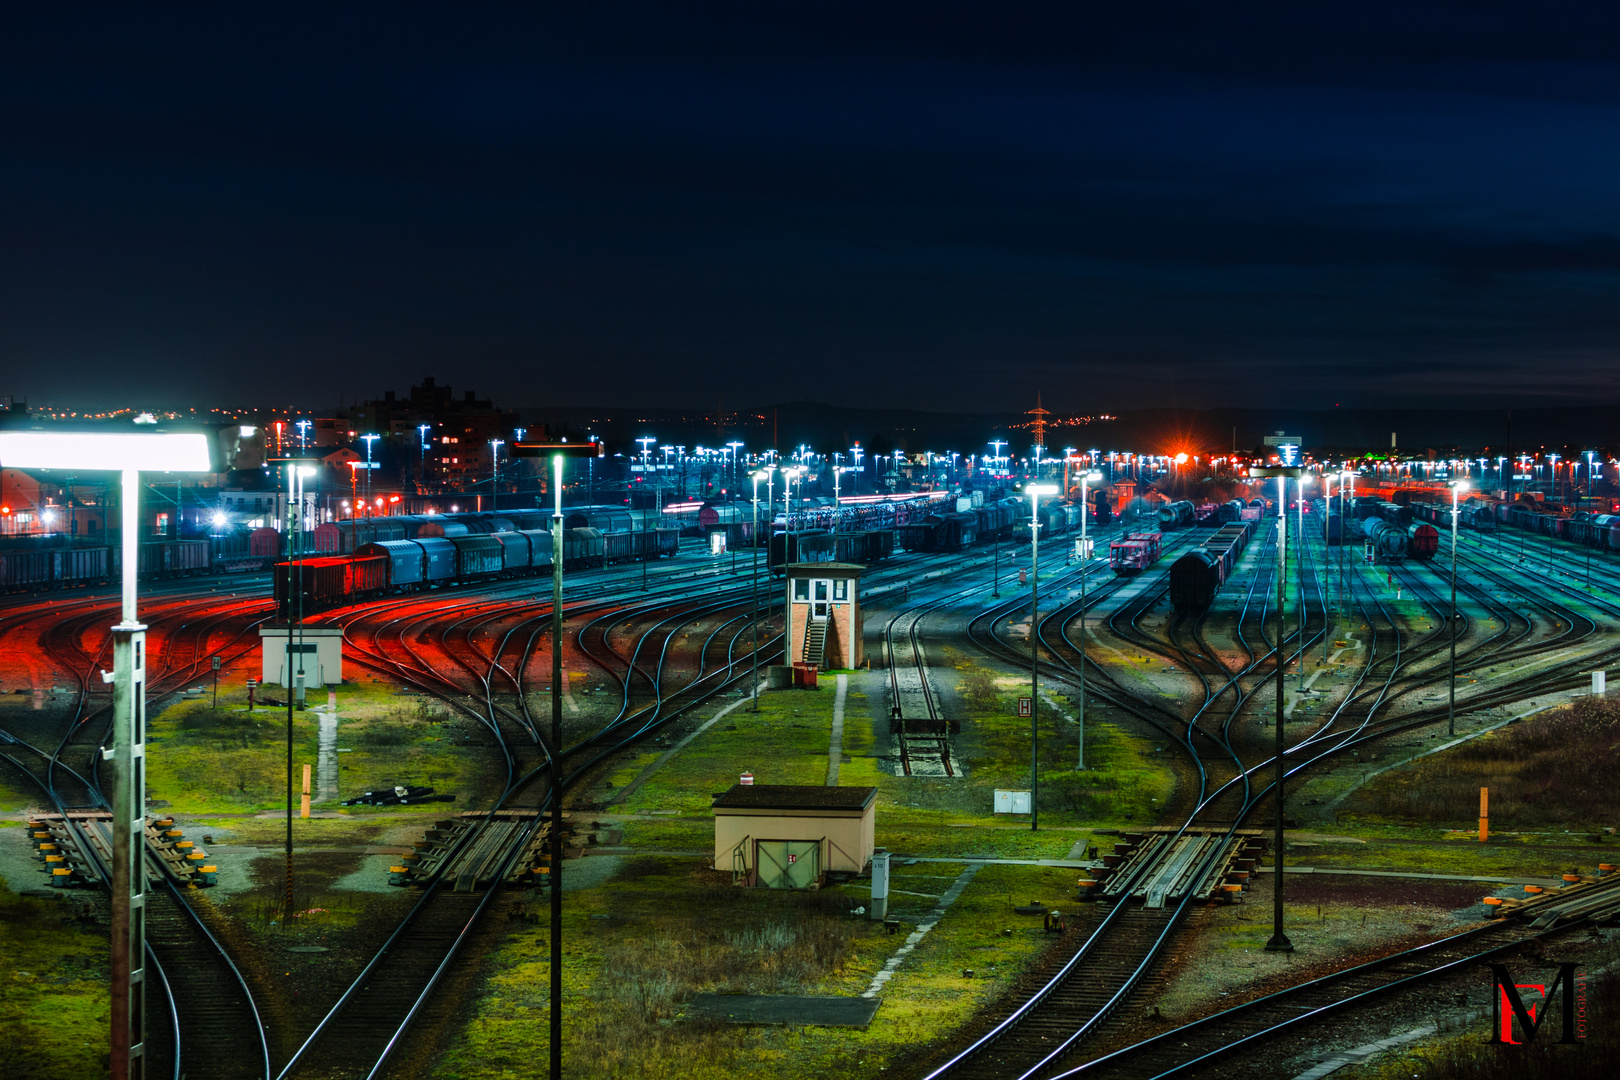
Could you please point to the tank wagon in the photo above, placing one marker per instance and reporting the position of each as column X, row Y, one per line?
column 1176, row 515
column 1387, row 542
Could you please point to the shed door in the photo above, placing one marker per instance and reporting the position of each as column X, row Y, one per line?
column 821, row 598
column 787, row 864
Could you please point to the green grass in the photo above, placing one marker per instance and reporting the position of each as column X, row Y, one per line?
column 673, row 931
column 203, row 759
column 15, row 795
column 1483, row 860
column 784, row 743
column 53, row 994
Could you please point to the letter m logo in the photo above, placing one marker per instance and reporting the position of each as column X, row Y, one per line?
column 1508, row 1006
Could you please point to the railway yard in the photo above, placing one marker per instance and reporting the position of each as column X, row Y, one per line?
column 1123, row 937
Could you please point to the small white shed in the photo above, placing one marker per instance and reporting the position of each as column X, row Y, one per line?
column 320, row 648
column 789, row 836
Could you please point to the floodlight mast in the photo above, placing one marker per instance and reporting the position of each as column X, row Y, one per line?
column 127, row 452
column 556, row 452
column 1279, row 940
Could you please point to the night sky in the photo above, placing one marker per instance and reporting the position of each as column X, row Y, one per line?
column 947, row 206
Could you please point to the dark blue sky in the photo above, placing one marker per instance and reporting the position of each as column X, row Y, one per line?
column 948, row 206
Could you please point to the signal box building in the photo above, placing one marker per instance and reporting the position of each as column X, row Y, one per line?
column 788, row 836
column 827, row 621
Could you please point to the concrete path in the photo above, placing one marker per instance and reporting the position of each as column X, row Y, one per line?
column 835, row 750
column 929, row 922
column 326, row 759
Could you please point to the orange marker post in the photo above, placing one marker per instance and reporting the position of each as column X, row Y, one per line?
column 305, row 803
column 1484, row 813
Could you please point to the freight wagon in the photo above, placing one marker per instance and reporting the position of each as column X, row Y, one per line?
column 1197, row 576
column 1135, row 552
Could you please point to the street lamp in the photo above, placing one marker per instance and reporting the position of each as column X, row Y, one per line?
column 556, row 452
column 789, row 474
column 1035, row 491
column 1304, row 552
column 368, row 440
column 422, row 446
column 1451, row 701
column 495, row 473
column 128, row 449
column 1279, row 941
column 646, row 551
column 755, row 477
column 1085, row 569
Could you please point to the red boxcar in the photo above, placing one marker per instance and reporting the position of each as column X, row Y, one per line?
column 333, row 581
column 1422, row 540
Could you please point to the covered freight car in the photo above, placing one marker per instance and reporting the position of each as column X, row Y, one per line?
column 1422, row 540
column 583, row 547
column 805, row 545
column 330, row 581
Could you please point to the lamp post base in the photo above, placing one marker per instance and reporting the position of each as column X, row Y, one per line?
column 1279, row 943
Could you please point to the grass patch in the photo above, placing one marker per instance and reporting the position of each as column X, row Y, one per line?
column 1554, row 769
column 53, row 996
column 673, row 930
column 225, row 759
column 1478, row 860
column 784, row 743
column 1124, row 781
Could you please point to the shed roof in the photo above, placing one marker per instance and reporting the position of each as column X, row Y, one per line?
column 826, row 569
column 795, row 797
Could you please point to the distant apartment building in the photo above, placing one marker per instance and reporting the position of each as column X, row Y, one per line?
column 437, row 440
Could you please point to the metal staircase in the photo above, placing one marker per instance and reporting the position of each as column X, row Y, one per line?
column 815, row 641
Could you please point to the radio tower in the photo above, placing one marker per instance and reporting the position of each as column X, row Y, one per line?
column 1039, row 425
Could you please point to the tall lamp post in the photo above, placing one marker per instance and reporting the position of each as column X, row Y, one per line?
column 495, row 473
column 1035, row 491
column 368, row 440
column 755, row 477
column 789, row 474
column 297, row 470
column 1279, row 940
column 1304, row 553
column 127, row 449
column 1085, row 567
column 557, row 452
column 1451, row 689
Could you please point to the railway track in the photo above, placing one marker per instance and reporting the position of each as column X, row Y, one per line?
column 1204, row 1046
